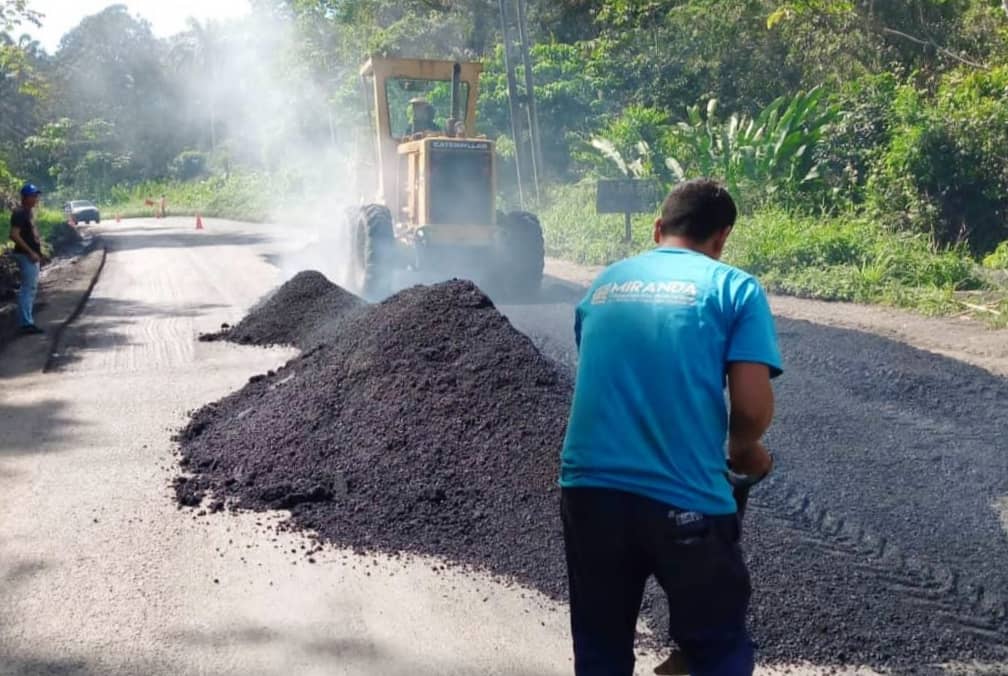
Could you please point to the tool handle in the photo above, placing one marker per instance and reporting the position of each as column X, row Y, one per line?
column 741, row 483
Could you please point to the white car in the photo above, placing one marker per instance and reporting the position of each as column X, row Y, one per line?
column 83, row 211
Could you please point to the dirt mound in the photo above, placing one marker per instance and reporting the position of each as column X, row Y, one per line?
column 293, row 314
column 428, row 424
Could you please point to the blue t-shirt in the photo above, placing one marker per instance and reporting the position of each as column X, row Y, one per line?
column 656, row 334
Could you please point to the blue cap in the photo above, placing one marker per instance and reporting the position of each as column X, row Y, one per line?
column 30, row 189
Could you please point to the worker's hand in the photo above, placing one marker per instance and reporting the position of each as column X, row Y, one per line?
column 36, row 258
column 751, row 459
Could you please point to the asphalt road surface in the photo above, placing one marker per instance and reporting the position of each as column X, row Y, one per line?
column 101, row 573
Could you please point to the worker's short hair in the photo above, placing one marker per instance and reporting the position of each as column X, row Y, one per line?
column 697, row 209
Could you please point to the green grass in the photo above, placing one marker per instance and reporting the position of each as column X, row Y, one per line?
column 573, row 231
column 845, row 258
column 854, row 259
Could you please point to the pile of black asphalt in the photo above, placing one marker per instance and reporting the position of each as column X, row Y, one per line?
column 429, row 424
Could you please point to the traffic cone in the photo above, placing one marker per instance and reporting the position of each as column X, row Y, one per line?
column 199, row 222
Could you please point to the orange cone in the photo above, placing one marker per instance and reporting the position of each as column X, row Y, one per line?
column 199, row 222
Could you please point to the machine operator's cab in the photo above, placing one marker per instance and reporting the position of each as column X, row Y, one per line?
column 433, row 169
column 435, row 207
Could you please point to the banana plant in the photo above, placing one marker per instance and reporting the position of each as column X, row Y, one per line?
column 773, row 151
column 636, row 168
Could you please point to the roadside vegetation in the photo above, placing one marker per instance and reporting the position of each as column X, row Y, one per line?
column 863, row 141
column 246, row 197
column 52, row 226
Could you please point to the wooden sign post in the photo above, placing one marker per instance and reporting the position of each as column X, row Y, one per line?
column 627, row 196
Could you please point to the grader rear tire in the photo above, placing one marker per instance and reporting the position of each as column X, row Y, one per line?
column 524, row 253
column 373, row 251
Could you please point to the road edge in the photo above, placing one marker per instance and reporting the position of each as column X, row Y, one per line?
column 967, row 341
column 85, row 296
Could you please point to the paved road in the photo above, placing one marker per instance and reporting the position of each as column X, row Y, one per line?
column 100, row 573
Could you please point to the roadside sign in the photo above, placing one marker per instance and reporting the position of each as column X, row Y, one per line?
column 635, row 196
column 627, row 196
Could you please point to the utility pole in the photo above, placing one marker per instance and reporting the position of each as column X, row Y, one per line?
column 521, row 101
column 530, row 107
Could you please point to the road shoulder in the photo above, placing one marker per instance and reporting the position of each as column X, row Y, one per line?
column 63, row 292
column 963, row 339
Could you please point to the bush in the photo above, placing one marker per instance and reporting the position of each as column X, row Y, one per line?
column 51, row 224
column 850, row 258
column 944, row 172
column 189, row 165
column 769, row 157
column 852, row 144
column 998, row 259
column 640, row 137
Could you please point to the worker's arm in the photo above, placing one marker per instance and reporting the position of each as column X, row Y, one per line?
column 752, row 359
column 752, row 409
column 15, row 235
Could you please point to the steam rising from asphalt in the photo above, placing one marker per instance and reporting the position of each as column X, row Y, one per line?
column 276, row 108
column 308, row 125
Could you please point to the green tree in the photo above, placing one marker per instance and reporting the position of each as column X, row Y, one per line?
column 111, row 67
column 195, row 55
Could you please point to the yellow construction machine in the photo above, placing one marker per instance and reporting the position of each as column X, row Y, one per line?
column 434, row 216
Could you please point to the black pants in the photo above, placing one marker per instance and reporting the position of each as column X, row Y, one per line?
column 614, row 542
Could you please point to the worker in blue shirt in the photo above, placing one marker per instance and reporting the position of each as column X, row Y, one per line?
column 643, row 483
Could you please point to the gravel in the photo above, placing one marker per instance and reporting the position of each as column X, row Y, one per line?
column 880, row 527
column 300, row 313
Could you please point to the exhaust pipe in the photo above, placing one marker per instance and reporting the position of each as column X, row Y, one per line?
column 455, row 102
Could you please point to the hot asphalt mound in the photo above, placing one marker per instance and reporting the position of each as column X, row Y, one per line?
column 427, row 424
column 298, row 313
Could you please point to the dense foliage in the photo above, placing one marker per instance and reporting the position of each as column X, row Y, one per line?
column 887, row 120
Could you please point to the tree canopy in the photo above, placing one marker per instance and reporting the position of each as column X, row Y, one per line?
column 910, row 82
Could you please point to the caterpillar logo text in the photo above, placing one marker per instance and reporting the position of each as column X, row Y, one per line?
column 460, row 145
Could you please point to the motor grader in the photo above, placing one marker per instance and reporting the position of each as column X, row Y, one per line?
column 434, row 216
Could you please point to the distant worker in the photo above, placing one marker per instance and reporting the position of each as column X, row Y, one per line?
column 29, row 256
column 161, row 205
column 421, row 114
column 643, row 484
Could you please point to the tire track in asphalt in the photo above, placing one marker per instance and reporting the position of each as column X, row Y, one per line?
column 878, row 540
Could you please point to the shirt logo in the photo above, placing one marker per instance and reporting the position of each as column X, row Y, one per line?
column 601, row 294
column 639, row 291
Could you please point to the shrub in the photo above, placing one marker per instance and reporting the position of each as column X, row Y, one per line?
column 944, row 172
column 998, row 259
column 852, row 258
column 189, row 165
